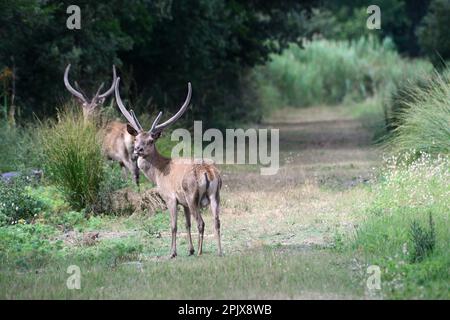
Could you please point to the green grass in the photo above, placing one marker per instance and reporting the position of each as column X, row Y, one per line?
column 264, row 273
column 406, row 196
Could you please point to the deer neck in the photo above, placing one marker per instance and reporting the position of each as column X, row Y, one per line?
column 155, row 165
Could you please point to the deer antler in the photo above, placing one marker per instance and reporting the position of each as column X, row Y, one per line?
column 159, row 127
column 81, row 96
column 131, row 117
column 76, row 93
column 111, row 89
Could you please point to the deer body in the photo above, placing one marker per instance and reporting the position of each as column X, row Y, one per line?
column 117, row 144
column 186, row 183
column 190, row 183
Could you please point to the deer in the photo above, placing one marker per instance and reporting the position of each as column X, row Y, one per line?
column 118, row 144
column 191, row 183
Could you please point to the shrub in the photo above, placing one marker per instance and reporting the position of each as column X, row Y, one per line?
column 424, row 124
column 16, row 205
column 423, row 240
column 28, row 245
column 72, row 157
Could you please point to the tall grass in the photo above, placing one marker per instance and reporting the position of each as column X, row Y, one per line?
column 424, row 122
column 330, row 72
column 72, row 157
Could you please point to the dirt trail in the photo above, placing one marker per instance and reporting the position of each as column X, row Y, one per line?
column 323, row 154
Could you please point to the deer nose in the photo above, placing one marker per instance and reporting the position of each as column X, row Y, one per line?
column 138, row 149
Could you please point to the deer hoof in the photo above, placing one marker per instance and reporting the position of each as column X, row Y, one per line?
column 173, row 255
column 191, row 252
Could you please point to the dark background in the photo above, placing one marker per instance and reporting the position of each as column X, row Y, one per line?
column 158, row 46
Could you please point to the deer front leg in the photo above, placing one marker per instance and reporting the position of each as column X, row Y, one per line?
column 172, row 206
column 187, row 214
column 135, row 171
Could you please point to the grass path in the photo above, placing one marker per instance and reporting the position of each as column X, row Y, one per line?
column 323, row 154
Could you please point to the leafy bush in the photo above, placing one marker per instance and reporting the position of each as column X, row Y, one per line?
column 423, row 240
column 424, row 125
column 16, row 205
column 72, row 157
column 27, row 245
column 330, row 72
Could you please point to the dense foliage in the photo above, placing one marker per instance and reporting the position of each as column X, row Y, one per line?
column 433, row 32
column 158, row 46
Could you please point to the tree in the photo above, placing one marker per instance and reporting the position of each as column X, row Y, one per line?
column 433, row 32
column 158, row 46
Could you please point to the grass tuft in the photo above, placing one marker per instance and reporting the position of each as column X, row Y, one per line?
column 72, row 157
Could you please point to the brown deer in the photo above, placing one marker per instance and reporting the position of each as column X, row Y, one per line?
column 118, row 144
column 190, row 183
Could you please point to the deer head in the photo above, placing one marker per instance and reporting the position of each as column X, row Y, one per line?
column 145, row 140
column 89, row 105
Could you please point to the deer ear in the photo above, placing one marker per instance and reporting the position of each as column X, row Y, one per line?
column 131, row 130
column 156, row 134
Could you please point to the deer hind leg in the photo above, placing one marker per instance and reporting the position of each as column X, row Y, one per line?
column 215, row 209
column 187, row 214
column 193, row 208
column 172, row 206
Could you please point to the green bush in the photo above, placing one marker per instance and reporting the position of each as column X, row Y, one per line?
column 16, row 204
column 423, row 240
column 72, row 157
column 28, row 245
column 424, row 124
column 330, row 72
